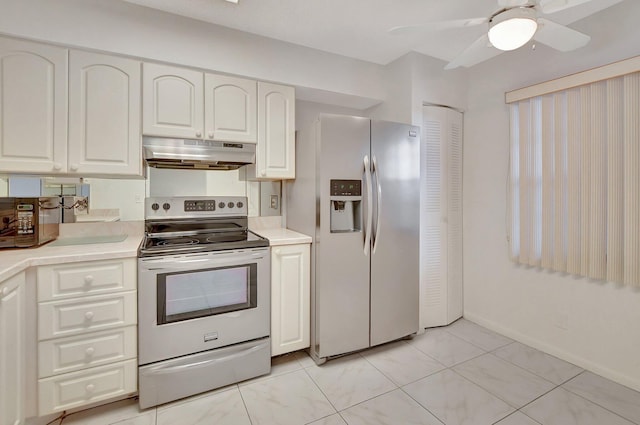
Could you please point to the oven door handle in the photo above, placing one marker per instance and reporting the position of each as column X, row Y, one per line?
column 181, row 264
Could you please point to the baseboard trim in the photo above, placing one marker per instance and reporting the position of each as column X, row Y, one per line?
column 554, row 351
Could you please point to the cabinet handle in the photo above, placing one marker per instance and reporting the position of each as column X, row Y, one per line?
column 88, row 279
column 5, row 291
column 90, row 388
column 277, row 251
column 198, row 133
column 88, row 315
column 74, row 167
column 211, row 135
column 263, row 173
column 89, row 351
column 57, row 166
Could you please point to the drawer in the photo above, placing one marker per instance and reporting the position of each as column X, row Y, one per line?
column 62, row 281
column 81, row 315
column 87, row 386
column 64, row 355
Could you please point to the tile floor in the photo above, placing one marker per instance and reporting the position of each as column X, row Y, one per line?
column 459, row 374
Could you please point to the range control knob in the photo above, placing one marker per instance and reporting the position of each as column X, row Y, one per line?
column 166, row 206
column 230, row 204
column 221, row 205
column 240, row 205
column 155, row 206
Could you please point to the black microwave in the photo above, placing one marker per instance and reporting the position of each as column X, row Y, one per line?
column 28, row 222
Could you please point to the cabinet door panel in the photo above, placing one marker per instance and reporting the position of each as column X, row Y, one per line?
column 33, row 107
column 69, row 280
column 62, row 355
column 104, row 122
column 172, row 101
column 290, row 303
column 82, row 315
column 12, row 352
column 230, row 108
column 275, row 153
column 76, row 389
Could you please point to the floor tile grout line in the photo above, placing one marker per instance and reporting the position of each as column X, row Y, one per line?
column 421, row 405
column 475, row 344
column 598, row 404
column 244, row 403
column 536, row 373
column 320, row 389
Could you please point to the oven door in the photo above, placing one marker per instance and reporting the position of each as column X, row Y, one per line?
column 195, row 302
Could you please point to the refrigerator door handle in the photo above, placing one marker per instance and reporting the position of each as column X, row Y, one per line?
column 376, row 234
column 367, row 228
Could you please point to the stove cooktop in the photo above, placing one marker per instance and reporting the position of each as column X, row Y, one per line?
column 180, row 225
column 199, row 242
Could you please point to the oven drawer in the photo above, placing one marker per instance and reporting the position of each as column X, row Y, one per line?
column 81, row 352
column 62, row 281
column 77, row 316
column 75, row 389
column 177, row 378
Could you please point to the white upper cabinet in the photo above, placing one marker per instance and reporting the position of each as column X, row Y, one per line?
column 275, row 153
column 173, row 104
column 230, row 109
column 104, row 115
column 33, row 107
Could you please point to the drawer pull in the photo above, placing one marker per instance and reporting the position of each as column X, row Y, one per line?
column 88, row 315
column 88, row 279
column 89, row 351
column 90, row 388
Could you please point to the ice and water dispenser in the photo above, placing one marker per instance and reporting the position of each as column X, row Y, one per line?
column 346, row 206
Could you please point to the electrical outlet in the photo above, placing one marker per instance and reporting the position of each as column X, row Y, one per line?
column 274, row 202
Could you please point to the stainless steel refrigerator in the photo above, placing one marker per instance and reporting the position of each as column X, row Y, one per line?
column 357, row 193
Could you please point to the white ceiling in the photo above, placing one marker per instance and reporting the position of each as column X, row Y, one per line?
column 357, row 28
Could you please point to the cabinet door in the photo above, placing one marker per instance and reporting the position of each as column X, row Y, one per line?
column 172, row 101
column 104, row 114
column 230, row 109
column 290, row 303
column 33, row 107
column 12, row 352
column 275, row 153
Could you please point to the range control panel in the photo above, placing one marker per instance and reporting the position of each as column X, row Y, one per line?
column 195, row 206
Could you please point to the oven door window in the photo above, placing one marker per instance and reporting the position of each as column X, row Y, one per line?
column 192, row 294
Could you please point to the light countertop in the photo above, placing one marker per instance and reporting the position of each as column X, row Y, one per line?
column 281, row 236
column 13, row 261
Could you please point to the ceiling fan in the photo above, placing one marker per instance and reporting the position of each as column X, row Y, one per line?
column 511, row 27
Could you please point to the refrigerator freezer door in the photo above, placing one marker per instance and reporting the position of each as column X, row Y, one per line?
column 341, row 321
column 395, row 152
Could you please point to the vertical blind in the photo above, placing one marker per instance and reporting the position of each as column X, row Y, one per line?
column 575, row 180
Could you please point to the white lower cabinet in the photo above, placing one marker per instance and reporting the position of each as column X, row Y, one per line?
column 87, row 333
column 12, row 350
column 290, row 302
column 87, row 386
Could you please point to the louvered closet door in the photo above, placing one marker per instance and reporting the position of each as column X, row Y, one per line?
column 441, row 217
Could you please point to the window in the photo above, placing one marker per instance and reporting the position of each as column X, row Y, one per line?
column 574, row 180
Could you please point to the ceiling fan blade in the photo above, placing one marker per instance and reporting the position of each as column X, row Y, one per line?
column 553, row 6
column 479, row 51
column 559, row 37
column 437, row 26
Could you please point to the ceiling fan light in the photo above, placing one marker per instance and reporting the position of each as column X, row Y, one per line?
column 512, row 28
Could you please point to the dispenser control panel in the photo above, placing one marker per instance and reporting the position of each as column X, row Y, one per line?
column 346, row 187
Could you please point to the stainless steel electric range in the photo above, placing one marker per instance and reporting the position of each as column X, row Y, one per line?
column 203, row 298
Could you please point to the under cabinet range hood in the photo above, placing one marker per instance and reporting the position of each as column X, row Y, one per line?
column 184, row 154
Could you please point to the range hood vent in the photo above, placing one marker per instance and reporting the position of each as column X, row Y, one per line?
column 197, row 154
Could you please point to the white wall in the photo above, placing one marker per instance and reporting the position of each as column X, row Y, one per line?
column 120, row 27
column 602, row 319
